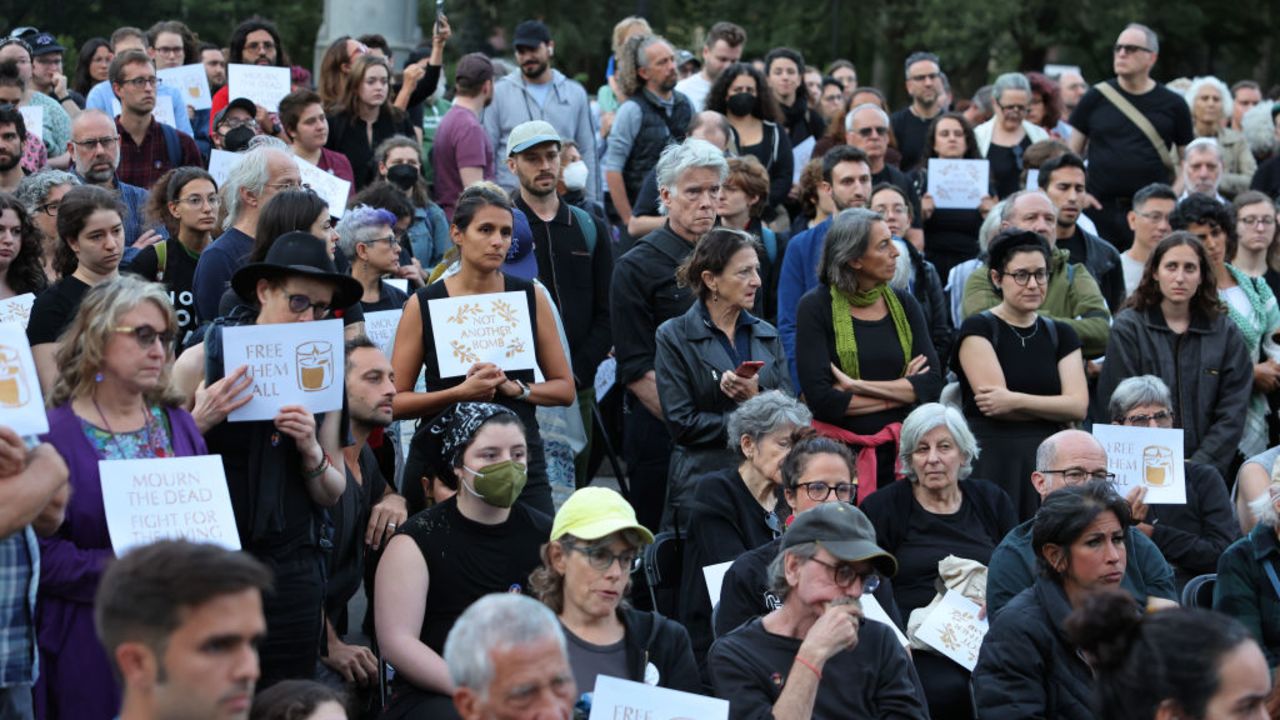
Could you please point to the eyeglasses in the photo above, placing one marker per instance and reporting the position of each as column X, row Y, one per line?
column 390, row 240
column 867, row 132
column 1155, row 217
column 50, row 209
column 174, row 50
column 1263, row 220
column 106, row 142
column 845, row 575
column 1079, row 475
column 299, row 304
column 1022, row 277
column 233, row 123
column 1123, row 49
column 1162, row 418
column 267, row 46
column 924, row 77
column 49, row 59
column 145, row 335
column 142, row 82
column 199, row 201
column 820, row 490
column 1016, row 109
column 289, row 185
column 600, row 558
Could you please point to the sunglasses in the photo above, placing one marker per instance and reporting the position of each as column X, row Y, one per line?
column 145, row 335
column 299, row 304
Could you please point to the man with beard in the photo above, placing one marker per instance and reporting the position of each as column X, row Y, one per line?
column 722, row 48
column 215, row 65
column 925, row 86
column 540, row 92
column 1063, row 180
column 13, row 133
column 573, row 255
column 148, row 149
column 654, row 116
column 255, row 41
column 95, row 152
column 462, row 153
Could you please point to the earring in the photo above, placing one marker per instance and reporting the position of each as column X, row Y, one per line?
column 97, row 378
column 715, row 295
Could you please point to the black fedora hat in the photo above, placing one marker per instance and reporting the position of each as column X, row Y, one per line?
column 298, row 254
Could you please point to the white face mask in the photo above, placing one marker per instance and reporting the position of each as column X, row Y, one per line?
column 575, row 175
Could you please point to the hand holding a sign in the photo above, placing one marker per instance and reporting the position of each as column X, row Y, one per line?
column 482, row 382
column 13, row 453
column 1138, row 509
column 298, row 423
column 215, row 402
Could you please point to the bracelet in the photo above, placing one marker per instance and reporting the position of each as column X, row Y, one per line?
column 809, row 665
column 319, row 470
column 524, row 390
column 63, row 99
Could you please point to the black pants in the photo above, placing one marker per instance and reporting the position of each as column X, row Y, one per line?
column 1113, row 221
column 646, row 448
column 293, row 610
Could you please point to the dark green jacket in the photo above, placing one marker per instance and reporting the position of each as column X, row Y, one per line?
column 1245, row 592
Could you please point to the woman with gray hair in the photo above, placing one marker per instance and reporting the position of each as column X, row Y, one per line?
column 1191, row 536
column 1004, row 137
column 1248, row 588
column 367, row 239
column 739, row 508
column 940, row 512
column 1210, row 103
column 40, row 194
column 863, row 351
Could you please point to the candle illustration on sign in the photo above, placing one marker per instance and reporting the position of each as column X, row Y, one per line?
column 13, row 381
column 315, row 365
column 1157, row 465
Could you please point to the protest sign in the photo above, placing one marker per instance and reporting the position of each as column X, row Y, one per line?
column 714, row 576
column 873, row 610
column 494, row 328
column 21, row 403
column 153, row 499
column 332, row 188
column 163, row 112
column 1146, row 457
column 265, row 85
column 380, row 327
column 958, row 184
column 290, row 363
column 33, row 118
column 954, row 630
column 606, row 376
column 800, row 156
column 17, row 309
column 221, row 163
column 192, row 84
column 401, row 284
column 615, row 699
column 1033, row 179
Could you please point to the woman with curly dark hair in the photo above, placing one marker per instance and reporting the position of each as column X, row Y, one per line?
column 742, row 95
column 1175, row 327
column 21, row 257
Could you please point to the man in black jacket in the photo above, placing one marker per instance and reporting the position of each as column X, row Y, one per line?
column 574, row 254
column 1063, row 180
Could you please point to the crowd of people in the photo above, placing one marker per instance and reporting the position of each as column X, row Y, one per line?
column 824, row 379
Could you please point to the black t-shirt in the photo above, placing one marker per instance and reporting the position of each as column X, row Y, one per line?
column 350, row 519
column 930, row 538
column 179, row 274
column 1030, row 367
column 1006, row 167
column 909, row 131
column 54, row 309
column 1121, row 158
column 467, row 560
column 875, row 679
column 392, row 298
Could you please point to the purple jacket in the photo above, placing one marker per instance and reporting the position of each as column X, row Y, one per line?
column 75, row 678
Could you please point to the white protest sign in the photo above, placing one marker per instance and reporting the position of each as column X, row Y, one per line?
column 401, row 284
column 17, row 309
column 265, row 85
column 873, row 610
column 192, row 84
column 163, row 112
column 158, row 498
column 954, row 630
column 21, row 404
column 33, row 119
column 958, row 184
column 1033, row 179
column 332, row 188
column 1146, row 457
column 290, row 363
column 615, row 699
column 494, row 328
column 1056, row 71
column 380, row 327
column 221, row 163
column 714, row 575
column 606, row 376
column 800, row 155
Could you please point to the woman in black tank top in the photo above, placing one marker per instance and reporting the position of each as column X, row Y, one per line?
column 481, row 233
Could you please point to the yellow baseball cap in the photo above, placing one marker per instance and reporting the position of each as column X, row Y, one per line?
column 595, row 512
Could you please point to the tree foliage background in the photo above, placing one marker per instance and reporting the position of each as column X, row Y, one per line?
column 976, row 39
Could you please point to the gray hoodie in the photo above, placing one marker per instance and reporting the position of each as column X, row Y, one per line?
column 567, row 108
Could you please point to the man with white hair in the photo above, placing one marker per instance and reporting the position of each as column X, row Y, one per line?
column 645, row 294
column 1072, row 86
column 254, row 180
column 866, row 127
column 1202, row 168
column 507, row 658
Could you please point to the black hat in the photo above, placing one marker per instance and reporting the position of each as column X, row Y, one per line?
column 44, row 44
column 298, row 254
column 844, row 532
column 531, row 34
column 241, row 103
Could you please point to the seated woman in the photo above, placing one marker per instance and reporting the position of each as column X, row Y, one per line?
column 736, row 510
column 1027, row 667
column 1247, row 586
column 1171, row 664
column 940, row 512
column 711, row 359
column 479, row 541
column 584, row 579
column 863, row 351
column 1021, row 375
column 113, row 400
column 1191, row 536
column 1176, row 328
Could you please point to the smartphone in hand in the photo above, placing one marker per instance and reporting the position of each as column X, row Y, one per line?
column 749, row 368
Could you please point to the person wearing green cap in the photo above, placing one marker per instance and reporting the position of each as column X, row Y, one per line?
column 585, row 574
column 814, row 657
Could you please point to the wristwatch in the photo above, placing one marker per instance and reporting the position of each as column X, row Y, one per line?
column 524, row 390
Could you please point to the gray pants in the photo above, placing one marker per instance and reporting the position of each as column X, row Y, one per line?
column 15, row 703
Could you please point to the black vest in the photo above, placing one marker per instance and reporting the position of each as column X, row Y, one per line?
column 657, row 130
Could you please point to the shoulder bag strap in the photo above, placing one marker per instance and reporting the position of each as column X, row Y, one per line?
column 1137, row 118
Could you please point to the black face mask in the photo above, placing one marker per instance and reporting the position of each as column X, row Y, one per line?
column 742, row 104
column 403, row 176
column 237, row 139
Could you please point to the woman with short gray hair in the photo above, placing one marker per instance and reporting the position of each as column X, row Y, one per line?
column 738, row 509
column 941, row 511
column 1211, row 103
column 367, row 238
column 40, row 194
column 863, row 351
column 1004, row 137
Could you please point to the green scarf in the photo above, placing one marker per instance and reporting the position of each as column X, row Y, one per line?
column 847, row 343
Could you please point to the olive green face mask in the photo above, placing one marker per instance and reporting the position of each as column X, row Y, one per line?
column 500, row 484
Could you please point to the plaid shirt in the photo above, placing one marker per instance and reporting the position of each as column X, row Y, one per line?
column 143, row 164
column 19, row 579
